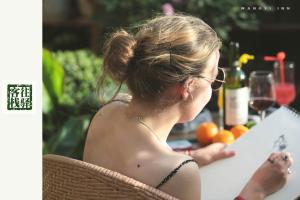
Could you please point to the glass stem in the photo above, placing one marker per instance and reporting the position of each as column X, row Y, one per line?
column 262, row 114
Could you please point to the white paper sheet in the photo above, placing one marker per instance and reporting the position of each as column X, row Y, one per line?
column 223, row 180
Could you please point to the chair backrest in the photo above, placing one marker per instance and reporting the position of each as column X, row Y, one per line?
column 66, row 178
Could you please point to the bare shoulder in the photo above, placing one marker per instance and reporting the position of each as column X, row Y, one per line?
column 121, row 99
column 185, row 183
column 124, row 96
column 107, row 111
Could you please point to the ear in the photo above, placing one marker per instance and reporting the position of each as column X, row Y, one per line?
column 184, row 89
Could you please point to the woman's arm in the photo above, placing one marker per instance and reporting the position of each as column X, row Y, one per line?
column 185, row 184
column 210, row 154
column 269, row 177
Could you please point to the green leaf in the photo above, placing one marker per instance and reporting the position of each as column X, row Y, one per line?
column 70, row 137
column 53, row 76
column 81, row 69
column 47, row 102
column 250, row 124
column 45, row 148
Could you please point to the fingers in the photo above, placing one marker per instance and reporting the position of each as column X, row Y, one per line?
column 282, row 157
column 283, row 160
column 213, row 152
column 224, row 154
column 290, row 158
column 272, row 157
column 228, row 154
column 219, row 145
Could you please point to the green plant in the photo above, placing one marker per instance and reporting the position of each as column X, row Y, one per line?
column 53, row 77
column 115, row 13
column 53, row 74
column 226, row 14
column 69, row 100
column 81, row 69
column 221, row 15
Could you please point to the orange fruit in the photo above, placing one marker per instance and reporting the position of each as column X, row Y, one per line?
column 206, row 132
column 239, row 130
column 224, row 136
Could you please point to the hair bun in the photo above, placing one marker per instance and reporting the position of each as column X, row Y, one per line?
column 117, row 53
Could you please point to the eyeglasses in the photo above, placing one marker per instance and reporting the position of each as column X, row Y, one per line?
column 218, row 81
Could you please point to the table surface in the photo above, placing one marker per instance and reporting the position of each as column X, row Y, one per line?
column 191, row 136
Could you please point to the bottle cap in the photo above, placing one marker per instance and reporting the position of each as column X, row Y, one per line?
column 244, row 58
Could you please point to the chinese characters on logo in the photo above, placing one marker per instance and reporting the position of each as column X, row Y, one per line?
column 19, row 97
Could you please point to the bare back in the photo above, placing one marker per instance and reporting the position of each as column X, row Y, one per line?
column 121, row 144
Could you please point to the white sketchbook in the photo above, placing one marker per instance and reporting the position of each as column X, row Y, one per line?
column 280, row 131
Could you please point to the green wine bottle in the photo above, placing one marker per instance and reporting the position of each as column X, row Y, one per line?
column 236, row 95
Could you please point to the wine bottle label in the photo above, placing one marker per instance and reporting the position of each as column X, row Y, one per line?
column 236, row 106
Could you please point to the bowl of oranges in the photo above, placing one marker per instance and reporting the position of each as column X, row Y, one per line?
column 208, row 132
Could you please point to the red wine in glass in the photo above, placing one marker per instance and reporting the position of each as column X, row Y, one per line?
column 262, row 91
column 261, row 103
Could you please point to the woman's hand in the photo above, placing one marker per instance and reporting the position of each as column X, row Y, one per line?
column 211, row 153
column 269, row 177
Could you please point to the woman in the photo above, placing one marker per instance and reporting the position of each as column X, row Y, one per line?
column 170, row 67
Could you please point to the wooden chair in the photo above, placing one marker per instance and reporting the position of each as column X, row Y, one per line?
column 69, row 179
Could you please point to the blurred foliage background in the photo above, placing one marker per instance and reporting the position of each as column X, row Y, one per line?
column 221, row 15
column 69, row 99
column 74, row 32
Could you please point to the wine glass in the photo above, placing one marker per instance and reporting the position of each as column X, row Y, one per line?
column 262, row 91
column 284, row 87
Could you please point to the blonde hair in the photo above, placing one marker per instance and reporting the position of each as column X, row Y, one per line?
column 163, row 52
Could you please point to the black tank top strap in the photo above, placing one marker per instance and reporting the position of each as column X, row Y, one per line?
column 172, row 173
